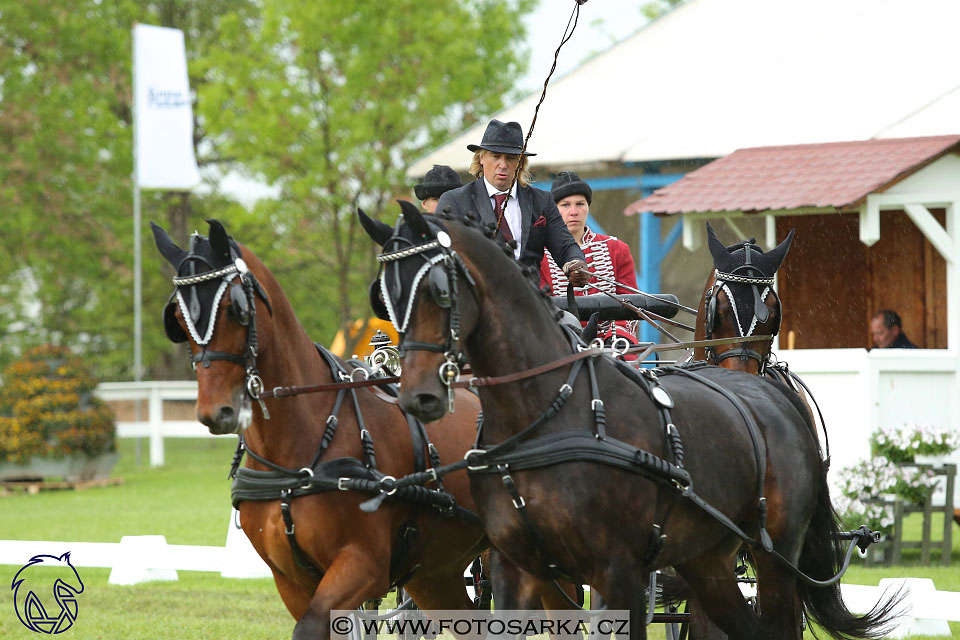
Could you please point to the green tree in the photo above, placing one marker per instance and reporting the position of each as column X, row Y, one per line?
column 329, row 101
column 65, row 176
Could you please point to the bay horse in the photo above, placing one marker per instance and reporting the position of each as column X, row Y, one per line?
column 599, row 487
column 324, row 552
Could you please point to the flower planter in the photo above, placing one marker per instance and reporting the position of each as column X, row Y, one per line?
column 73, row 468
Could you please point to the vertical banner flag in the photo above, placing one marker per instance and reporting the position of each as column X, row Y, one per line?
column 163, row 118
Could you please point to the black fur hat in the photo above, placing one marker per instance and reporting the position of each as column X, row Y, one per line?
column 568, row 183
column 438, row 181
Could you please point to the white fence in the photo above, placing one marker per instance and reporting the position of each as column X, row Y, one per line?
column 153, row 425
column 137, row 559
column 859, row 391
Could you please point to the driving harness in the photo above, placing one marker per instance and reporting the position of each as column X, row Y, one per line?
column 746, row 274
column 278, row 482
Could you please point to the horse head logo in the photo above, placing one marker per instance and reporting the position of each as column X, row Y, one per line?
column 33, row 586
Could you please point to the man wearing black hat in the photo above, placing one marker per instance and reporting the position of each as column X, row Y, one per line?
column 522, row 213
column 438, row 181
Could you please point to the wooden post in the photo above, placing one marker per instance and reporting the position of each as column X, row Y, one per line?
column 897, row 530
column 946, row 548
column 927, row 513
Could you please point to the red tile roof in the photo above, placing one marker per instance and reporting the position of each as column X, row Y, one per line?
column 838, row 175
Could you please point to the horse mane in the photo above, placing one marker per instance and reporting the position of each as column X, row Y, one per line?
column 484, row 247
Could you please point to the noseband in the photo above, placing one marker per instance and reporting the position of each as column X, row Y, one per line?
column 722, row 281
column 243, row 302
column 441, row 271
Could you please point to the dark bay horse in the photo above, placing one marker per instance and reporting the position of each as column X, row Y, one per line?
column 589, row 479
column 359, row 554
column 739, row 300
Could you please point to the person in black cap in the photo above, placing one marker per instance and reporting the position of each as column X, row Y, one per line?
column 605, row 255
column 438, row 181
column 522, row 212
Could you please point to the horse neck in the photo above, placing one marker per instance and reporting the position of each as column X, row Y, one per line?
column 287, row 357
column 515, row 331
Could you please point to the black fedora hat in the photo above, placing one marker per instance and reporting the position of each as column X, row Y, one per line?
column 438, row 181
column 502, row 137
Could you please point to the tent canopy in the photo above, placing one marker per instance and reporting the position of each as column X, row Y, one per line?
column 713, row 76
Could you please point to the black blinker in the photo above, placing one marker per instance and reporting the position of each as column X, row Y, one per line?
column 239, row 304
column 171, row 327
column 440, row 286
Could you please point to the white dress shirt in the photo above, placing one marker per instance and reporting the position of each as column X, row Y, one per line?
column 512, row 215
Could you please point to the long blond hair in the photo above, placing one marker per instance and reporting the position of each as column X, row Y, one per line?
column 476, row 169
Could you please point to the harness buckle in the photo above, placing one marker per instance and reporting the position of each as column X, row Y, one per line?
column 309, row 478
column 565, row 390
column 470, row 467
column 596, row 402
column 340, row 484
column 519, row 505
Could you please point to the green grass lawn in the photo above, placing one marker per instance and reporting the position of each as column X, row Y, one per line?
column 188, row 501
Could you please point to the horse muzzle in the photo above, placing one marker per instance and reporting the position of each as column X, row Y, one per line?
column 221, row 419
column 427, row 407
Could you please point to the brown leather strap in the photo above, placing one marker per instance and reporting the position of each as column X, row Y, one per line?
column 285, row 392
column 526, row 373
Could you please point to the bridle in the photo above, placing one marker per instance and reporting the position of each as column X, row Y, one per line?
column 441, row 271
column 760, row 313
column 244, row 288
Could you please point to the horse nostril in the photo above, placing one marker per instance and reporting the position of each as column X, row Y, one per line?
column 226, row 416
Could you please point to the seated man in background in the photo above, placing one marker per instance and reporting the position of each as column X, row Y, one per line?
column 886, row 329
column 606, row 256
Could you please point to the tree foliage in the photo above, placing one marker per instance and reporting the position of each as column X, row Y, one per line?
column 330, row 101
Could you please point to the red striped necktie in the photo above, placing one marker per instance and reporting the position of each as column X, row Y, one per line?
column 503, row 227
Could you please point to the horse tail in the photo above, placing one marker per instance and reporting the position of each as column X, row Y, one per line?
column 822, row 557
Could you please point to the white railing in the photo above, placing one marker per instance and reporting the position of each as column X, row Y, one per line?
column 859, row 391
column 153, row 425
column 137, row 559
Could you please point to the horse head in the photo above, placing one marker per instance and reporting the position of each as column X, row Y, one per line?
column 739, row 301
column 423, row 278
column 220, row 308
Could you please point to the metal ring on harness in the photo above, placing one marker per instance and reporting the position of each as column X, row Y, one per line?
column 449, row 372
column 254, row 386
column 389, row 480
column 309, row 473
column 363, row 373
column 618, row 341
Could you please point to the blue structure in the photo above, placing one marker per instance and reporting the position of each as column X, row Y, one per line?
column 652, row 251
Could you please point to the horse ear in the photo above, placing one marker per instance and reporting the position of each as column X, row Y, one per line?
column 219, row 239
column 779, row 252
column 166, row 246
column 717, row 250
column 414, row 219
column 378, row 231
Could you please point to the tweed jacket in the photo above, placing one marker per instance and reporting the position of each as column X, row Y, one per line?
column 542, row 225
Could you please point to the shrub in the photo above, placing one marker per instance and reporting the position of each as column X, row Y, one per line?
column 47, row 408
